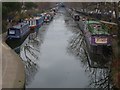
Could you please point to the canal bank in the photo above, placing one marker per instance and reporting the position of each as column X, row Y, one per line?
column 114, row 63
column 13, row 73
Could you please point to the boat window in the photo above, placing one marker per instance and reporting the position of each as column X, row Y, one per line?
column 34, row 22
column 21, row 30
column 12, row 31
column 29, row 22
column 85, row 26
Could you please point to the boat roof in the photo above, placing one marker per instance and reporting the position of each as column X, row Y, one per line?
column 20, row 25
column 94, row 32
column 102, row 30
column 75, row 14
column 40, row 15
column 37, row 17
column 32, row 19
column 92, row 22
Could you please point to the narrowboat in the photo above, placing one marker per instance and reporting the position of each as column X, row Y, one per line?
column 18, row 31
column 47, row 18
column 97, row 36
column 35, row 23
column 31, row 22
column 39, row 21
column 54, row 10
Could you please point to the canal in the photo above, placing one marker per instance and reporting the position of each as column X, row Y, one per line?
column 58, row 58
column 55, row 66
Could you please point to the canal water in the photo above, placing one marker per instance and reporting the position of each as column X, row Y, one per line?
column 58, row 58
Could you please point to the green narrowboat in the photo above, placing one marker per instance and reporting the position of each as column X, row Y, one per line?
column 97, row 35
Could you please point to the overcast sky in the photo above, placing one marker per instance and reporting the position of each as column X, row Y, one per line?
column 61, row 0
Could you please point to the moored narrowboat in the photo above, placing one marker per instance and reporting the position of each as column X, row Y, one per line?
column 47, row 18
column 32, row 23
column 39, row 21
column 35, row 23
column 97, row 36
column 18, row 31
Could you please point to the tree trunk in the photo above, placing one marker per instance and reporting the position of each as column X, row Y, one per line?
column 118, row 22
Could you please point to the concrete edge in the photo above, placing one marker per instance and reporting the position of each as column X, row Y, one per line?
column 13, row 71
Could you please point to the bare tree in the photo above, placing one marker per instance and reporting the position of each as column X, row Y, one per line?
column 116, row 5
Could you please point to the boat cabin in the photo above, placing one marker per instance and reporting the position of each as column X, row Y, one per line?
column 98, row 33
column 18, row 31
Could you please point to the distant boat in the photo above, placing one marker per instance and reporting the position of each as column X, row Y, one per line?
column 18, row 31
column 31, row 22
column 35, row 23
column 48, row 18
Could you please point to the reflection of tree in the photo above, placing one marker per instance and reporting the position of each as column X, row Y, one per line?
column 75, row 45
column 99, row 77
column 29, row 54
column 30, row 51
column 30, row 62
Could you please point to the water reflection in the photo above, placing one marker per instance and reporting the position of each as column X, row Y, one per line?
column 99, row 71
column 29, row 52
column 100, row 78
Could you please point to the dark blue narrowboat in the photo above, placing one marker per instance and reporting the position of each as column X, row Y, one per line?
column 39, row 21
column 18, row 31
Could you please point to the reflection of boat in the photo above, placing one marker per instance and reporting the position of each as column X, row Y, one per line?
column 17, row 34
column 97, row 61
column 28, row 53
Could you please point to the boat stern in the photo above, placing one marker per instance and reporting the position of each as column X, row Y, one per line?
column 101, row 40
